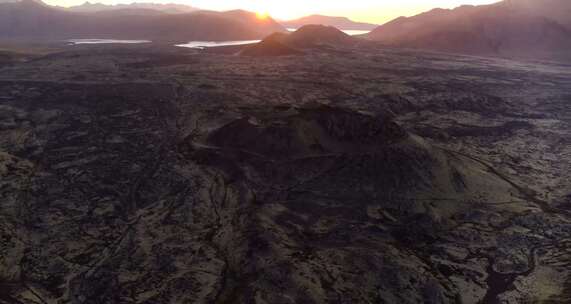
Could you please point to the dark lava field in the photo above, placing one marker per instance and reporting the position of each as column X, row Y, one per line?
column 150, row 174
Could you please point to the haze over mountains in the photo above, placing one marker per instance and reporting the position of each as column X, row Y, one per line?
column 519, row 28
column 512, row 28
column 171, row 8
column 34, row 20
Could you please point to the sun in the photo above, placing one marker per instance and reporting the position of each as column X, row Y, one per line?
column 262, row 9
column 262, row 14
column 282, row 10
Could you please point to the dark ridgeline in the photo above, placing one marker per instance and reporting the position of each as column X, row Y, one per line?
column 29, row 19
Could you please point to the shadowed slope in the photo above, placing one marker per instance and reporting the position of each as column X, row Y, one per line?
column 497, row 29
column 283, row 145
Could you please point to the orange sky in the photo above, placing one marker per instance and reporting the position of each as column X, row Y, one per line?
column 375, row 11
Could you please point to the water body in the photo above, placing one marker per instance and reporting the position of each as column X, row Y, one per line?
column 355, row 32
column 206, row 44
column 192, row 44
column 105, row 41
column 348, row 32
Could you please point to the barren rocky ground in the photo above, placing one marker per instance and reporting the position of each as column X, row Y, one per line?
column 140, row 174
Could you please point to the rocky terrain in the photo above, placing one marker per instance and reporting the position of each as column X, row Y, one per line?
column 137, row 174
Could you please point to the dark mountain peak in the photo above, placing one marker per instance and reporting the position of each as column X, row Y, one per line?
column 319, row 30
column 308, row 130
column 309, row 36
column 314, row 34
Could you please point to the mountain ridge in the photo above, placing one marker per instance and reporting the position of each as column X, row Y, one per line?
column 502, row 29
column 31, row 20
column 170, row 8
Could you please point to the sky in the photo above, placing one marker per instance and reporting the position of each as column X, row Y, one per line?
column 374, row 11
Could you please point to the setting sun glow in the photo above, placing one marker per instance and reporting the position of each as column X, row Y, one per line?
column 262, row 15
column 376, row 11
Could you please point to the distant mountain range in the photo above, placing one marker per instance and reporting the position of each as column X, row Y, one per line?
column 169, row 8
column 33, row 20
column 537, row 29
column 513, row 28
column 338, row 22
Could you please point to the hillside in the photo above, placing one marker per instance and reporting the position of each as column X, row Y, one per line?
column 307, row 37
column 271, row 46
column 342, row 23
column 501, row 29
column 29, row 19
column 314, row 35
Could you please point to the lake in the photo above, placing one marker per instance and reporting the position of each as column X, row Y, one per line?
column 206, row 44
column 105, row 41
column 192, row 44
column 348, row 32
column 355, row 32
